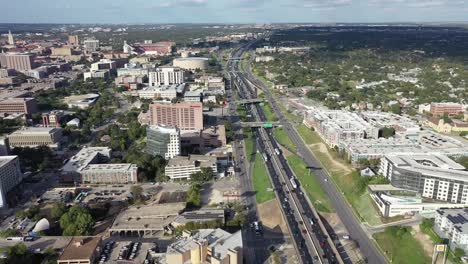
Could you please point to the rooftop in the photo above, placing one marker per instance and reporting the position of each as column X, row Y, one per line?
column 110, row 167
column 84, row 157
column 458, row 217
column 147, row 217
column 36, row 130
column 203, row 161
column 80, row 248
column 177, row 87
column 163, row 129
column 5, row 159
column 218, row 239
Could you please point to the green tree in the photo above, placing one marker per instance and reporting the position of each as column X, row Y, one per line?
column 18, row 253
column 58, row 210
column 388, row 132
column 137, row 193
column 194, row 196
column 77, row 221
column 395, row 108
column 459, row 253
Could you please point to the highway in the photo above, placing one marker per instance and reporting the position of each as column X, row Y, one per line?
column 343, row 209
column 309, row 234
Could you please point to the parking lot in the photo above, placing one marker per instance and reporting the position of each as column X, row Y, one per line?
column 128, row 252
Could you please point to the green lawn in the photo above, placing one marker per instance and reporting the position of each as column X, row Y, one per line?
column 249, row 142
column 309, row 136
column 401, row 247
column 310, row 183
column 261, row 181
column 291, row 116
column 283, row 138
column 269, row 114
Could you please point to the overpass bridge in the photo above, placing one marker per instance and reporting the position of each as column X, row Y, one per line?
column 261, row 124
column 250, row 101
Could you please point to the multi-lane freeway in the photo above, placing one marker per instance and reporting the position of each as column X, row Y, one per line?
column 309, row 235
column 345, row 213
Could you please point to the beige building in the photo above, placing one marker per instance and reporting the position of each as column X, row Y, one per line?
column 191, row 63
column 18, row 106
column 62, row 51
column 187, row 116
column 73, row 40
column 182, row 167
column 440, row 126
column 116, row 173
column 81, row 250
column 35, row 137
column 214, row 246
column 17, row 61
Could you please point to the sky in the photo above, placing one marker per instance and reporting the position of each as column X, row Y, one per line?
column 231, row 11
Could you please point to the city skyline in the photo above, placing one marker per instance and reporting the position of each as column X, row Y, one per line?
column 238, row 11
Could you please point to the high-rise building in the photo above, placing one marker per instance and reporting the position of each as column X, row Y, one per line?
column 163, row 141
column 10, row 176
column 17, row 61
column 187, row 116
column 166, row 76
column 91, row 45
column 73, row 40
column 11, row 41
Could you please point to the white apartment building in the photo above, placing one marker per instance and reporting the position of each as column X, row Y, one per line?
column 166, row 76
column 182, row 167
column 163, row 141
column 336, row 126
column 101, row 74
column 452, row 224
column 168, row 92
column 435, row 177
column 10, row 176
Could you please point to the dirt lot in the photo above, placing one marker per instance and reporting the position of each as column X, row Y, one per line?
column 426, row 242
column 271, row 217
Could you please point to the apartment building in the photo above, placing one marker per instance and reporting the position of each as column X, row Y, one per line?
column 35, row 137
column 18, row 106
column 182, row 167
column 186, row 116
column 163, row 141
column 166, row 76
column 206, row 246
column 452, row 109
column 336, row 126
column 435, row 177
column 91, row 45
column 452, row 224
column 10, row 177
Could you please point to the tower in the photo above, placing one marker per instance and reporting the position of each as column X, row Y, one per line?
column 11, row 41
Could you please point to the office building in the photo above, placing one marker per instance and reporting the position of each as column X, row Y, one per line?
column 81, row 250
column 101, row 74
column 166, row 76
column 53, row 118
column 452, row 224
column 11, row 41
column 36, row 136
column 10, row 177
column 451, row 109
column 182, row 167
column 206, row 246
column 18, row 61
column 103, row 64
column 435, row 177
column 163, row 141
column 191, row 63
column 132, row 69
column 206, row 139
column 73, row 40
column 61, row 51
column 186, row 116
column 89, row 166
column 192, row 96
column 167, row 92
column 115, row 173
column 91, row 45
column 18, row 106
